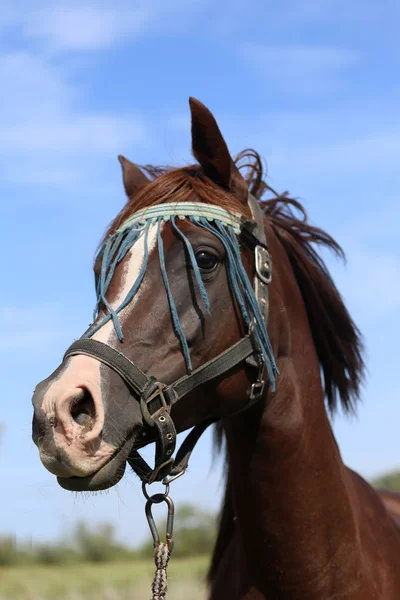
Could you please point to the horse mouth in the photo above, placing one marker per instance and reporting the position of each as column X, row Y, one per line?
column 106, row 477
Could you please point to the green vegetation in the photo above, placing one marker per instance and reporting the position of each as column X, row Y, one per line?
column 194, row 534
column 90, row 564
column 84, row 545
column 390, row 481
column 122, row 580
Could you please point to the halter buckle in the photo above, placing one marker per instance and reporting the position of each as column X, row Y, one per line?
column 161, row 404
column 256, row 390
column 263, row 264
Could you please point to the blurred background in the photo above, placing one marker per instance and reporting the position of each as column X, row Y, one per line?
column 313, row 86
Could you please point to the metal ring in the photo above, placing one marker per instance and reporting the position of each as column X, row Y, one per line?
column 164, row 495
column 169, row 479
column 157, row 499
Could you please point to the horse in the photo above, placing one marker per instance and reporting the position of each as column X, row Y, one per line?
column 215, row 307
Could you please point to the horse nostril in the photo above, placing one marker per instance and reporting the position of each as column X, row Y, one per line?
column 38, row 428
column 83, row 410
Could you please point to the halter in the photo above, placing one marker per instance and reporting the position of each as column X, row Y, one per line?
column 155, row 397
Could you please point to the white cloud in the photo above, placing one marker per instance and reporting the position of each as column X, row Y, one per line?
column 76, row 26
column 72, row 133
column 300, row 68
column 86, row 27
column 44, row 127
column 32, row 86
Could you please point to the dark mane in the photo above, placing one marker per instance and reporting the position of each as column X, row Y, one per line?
column 336, row 337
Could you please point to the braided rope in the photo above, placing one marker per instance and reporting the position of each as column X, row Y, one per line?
column 161, row 558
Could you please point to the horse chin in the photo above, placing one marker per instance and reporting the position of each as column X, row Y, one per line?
column 106, row 477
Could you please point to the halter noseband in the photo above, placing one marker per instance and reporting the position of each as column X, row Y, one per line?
column 157, row 398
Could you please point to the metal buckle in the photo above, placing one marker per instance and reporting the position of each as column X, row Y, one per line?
column 263, row 264
column 256, row 390
column 167, row 480
column 144, row 404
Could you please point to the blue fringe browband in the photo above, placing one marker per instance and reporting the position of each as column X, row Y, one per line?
column 225, row 226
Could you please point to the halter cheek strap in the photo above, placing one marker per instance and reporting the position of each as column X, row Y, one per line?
column 156, row 398
column 253, row 233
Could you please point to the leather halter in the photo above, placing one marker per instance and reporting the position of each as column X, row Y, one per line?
column 157, row 398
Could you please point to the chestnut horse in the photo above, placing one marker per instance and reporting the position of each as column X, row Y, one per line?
column 174, row 282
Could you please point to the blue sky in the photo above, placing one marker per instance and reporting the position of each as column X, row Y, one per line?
column 312, row 85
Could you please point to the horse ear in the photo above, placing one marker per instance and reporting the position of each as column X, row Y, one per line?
column 133, row 177
column 210, row 150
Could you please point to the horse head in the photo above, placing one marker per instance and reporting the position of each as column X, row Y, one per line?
column 179, row 337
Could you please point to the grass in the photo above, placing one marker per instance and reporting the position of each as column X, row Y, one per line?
column 111, row 581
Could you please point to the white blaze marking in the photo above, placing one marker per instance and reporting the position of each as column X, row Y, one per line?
column 133, row 264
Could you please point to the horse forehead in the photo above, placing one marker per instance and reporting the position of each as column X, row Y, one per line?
column 170, row 238
column 188, row 228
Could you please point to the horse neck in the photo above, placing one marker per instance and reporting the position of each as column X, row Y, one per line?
column 288, row 487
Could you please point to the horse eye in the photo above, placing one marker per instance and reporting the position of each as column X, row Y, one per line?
column 206, row 261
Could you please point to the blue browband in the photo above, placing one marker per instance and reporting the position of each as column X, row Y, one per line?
column 226, row 226
column 195, row 210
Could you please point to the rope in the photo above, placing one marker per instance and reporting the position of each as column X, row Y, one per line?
column 161, row 558
column 194, row 264
column 172, row 306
